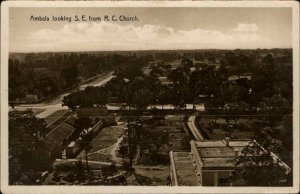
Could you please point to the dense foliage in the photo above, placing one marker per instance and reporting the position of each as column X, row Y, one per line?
column 269, row 82
column 26, row 134
column 254, row 161
column 46, row 74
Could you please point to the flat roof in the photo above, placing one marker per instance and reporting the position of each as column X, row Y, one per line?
column 184, row 169
column 57, row 135
column 215, row 154
column 219, row 162
column 219, row 152
column 221, row 143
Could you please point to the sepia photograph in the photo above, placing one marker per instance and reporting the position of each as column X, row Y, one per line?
column 196, row 95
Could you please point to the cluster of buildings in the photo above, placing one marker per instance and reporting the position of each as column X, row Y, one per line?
column 64, row 140
column 210, row 163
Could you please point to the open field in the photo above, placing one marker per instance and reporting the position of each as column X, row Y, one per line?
column 149, row 175
column 104, row 145
column 159, row 137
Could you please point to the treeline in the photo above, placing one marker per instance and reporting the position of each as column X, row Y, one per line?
column 266, row 81
column 47, row 74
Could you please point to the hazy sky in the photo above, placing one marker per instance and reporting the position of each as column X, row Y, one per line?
column 157, row 28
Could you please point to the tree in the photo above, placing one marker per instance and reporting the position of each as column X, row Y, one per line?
column 15, row 79
column 117, row 86
column 231, row 92
column 187, row 64
column 268, row 59
column 83, row 123
column 237, row 108
column 156, row 71
column 214, row 106
column 177, row 76
column 185, row 93
column 164, row 97
column 142, row 98
column 176, row 97
column 274, row 107
column 94, row 96
column 257, row 167
column 262, row 85
column 285, row 134
column 47, row 86
column 26, row 134
column 100, row 97
column 69, row 74
column 130, row 72
column 133, row 132
column 72, row 101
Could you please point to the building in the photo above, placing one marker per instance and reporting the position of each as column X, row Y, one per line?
column 97, row 113
column 74, row 147
column 164, row 81
column 237, row 77
column 209, row 163
column 31, row 98
column 55, row 139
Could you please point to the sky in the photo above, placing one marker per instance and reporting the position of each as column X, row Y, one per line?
column 157, row 29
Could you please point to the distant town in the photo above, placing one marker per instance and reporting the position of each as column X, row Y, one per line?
column 204, row 117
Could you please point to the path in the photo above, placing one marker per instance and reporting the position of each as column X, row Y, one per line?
column 194, row 129
column 55, row 104
column 113, row 151
column 101, row 163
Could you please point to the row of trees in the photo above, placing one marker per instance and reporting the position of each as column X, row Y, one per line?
column 135, row 93
column 42, row 81
column 139, row 91
column 45, row 74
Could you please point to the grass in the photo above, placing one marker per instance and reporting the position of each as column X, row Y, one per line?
column 159, row 138
column 149, row 175
column 102, row 144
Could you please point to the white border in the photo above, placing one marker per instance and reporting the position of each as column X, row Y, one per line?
column 5, row 188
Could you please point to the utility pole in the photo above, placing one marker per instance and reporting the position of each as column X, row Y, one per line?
column 129, row 145
column 86, row 150
column 86, row 160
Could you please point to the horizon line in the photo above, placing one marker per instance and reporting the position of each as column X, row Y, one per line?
column 141, row 50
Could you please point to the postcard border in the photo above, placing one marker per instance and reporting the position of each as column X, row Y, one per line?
column 143, row 189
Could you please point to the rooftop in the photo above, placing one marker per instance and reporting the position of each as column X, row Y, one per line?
column 232, row 143
column 164, row 80
column 71, row 120
column 217, row 155
column 208, row 156
column 57, row 135
column 236, row 77
column 182, row 164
